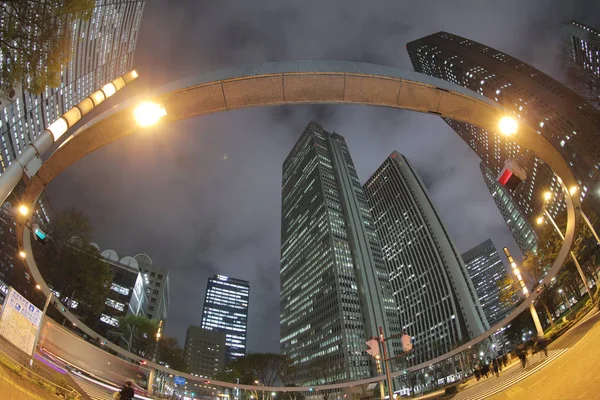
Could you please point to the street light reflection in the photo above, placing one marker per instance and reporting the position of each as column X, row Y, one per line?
column 148, row 113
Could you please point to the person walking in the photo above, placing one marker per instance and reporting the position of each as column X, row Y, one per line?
column 505, row 360
column 496, row 366
column 542, row 345
column 126, row 392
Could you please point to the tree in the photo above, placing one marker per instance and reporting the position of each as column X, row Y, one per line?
column 266, row 368
column 510, row 291
column 139, row 333
column 321, row 370
column 171, row 353
column 35, row 41
column 72, row 266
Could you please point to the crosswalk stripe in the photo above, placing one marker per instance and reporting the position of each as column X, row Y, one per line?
column 485, row 390
column 95, row 392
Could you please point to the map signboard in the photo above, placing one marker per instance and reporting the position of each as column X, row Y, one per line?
column 20, row 321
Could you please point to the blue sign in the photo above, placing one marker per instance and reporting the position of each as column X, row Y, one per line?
column 179, row 380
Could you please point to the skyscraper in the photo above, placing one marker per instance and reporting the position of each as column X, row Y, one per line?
column 226, row 310
column 585, row 45
column 561, row 116
column 521, row 229
column 335, row 291
column 486, row 270
column 102, row 50
column 436, row 300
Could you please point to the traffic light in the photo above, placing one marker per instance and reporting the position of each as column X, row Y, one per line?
column 406, row 342
column 40, row 235
column 373, row 347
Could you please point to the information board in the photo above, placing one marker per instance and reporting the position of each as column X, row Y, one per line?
column 20, row 321
column 179, row 380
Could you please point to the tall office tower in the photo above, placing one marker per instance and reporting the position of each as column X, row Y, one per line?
column 436, row 300
column 102, row 50
column 204, row 351
column 560, row 115
column 522, row 231
column 335, row 291
column 585, row 45
column 226, row 310
column 486, row 270
column 157, row 284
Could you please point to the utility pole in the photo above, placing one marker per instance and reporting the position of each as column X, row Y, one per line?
column 37, row 334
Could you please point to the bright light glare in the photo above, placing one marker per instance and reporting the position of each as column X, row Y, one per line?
column 134, row 73
column 147, row 114
column 547, row 196
column 23, row 210
column 22, row 254
column 38, row 287
column 508, row 126
column 540, row 220
column 573, row 190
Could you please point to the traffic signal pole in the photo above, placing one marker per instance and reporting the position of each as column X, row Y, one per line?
column 386, row 359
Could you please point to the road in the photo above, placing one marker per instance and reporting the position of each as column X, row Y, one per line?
column 569, row 372
column 94, row 391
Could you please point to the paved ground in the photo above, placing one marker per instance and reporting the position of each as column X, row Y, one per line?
column 13, row 387
column 570, row 372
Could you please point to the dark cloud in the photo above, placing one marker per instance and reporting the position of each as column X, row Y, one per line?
column 203, row 195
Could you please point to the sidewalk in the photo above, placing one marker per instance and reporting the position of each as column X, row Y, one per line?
column 13, row 387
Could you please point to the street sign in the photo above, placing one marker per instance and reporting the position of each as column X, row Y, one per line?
column 179, row 380
column 20, row 321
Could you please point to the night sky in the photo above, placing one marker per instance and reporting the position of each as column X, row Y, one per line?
column 202, row 196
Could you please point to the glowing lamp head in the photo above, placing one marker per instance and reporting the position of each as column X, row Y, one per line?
column 38, row 287
column 148, row 113
column 508, row 126
column 540, row 220
column 547, row 196
column 22, row 254
column 573, row 190
column 23, row 210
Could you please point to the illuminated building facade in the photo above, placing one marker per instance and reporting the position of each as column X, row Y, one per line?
column 204, row 351
column 560, row 115
column 585, row 45
column 157, row 285
column 335, row 290
column 226, row 310
column 486, row 269
column 521, row 229
column 102, row 50
column 437, row 303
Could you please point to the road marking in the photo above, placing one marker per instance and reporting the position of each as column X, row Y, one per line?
column 94, row 391
column 498, row 385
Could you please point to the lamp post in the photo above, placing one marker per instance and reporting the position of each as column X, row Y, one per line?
column 37, row 334
column 540, row 220
column 152, row 374
column 532, row 310
column 565, row 297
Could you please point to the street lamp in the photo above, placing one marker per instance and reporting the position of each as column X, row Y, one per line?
column 22, row 254
column 508, row 126
column 148, row 113
column 23, row 210
column 560, row 234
